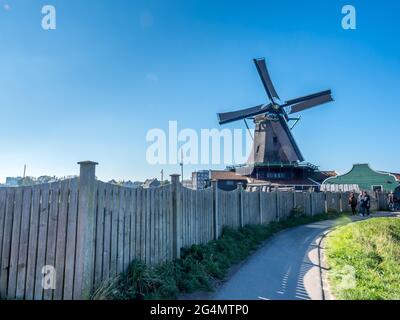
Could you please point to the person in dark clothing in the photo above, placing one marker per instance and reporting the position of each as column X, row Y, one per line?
column 353, row 203
column 391, row 201
column 361, row 203
column 367, row 203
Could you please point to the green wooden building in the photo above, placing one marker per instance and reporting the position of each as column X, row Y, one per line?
column 367, row 179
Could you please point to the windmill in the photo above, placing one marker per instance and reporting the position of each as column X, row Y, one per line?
column 273, row 141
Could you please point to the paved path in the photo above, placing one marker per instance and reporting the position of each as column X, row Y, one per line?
column 287, row 267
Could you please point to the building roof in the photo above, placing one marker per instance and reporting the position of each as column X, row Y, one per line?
column 226, row 175
column 397, row 175
column 150, row 183
column 330, row 173
column 321, row 176
column 365, row 177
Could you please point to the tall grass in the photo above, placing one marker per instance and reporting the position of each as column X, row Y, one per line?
column 370, row 250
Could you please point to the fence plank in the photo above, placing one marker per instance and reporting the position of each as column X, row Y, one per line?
column 164, row 240
column 52, row 231
column 127, row 226
column 139, row 226
column 108, row 202
column 148, row 225
column 16, row 228
column 72, row 216
column 99, row 239
column 114, row 232
column 61, row 239
column 170, row 223
column 33, row 243
column 3, row 198
column 7, row 238
column 142, row 207
column 120, row 244
column 161, row 205
column 132, row 236
column 156, row 224
column 24, row 242
column 152, row 224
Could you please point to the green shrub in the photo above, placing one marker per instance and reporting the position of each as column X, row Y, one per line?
column 297, row 212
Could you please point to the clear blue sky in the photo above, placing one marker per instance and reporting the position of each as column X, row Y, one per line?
column 115, row 69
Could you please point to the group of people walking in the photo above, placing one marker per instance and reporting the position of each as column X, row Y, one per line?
column 393, row 202
column 363, row 202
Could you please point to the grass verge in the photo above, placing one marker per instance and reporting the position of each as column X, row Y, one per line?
column 199, row 265
column 364, row 260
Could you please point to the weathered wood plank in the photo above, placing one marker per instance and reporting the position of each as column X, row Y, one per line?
column 204, row 215
column 121, row 213
column 142, row 207
column 201, row 216
column 24, row 242
column 52, row 232
column 156, row 224
column 132, row 213
column 114, row 232
column 152, row 225
column 169, row 224
column 185, row 217
column 187, row 207
column 99, row 239
column 127, row 226
column 7, row 239
column 139, row 225
column 61, row 239
column 108, row 202
column 33, row 243
column 163, row 239
column 3, row 198
column 194, row 214
column 148, row 225
column 72, row 221
column 16, row 229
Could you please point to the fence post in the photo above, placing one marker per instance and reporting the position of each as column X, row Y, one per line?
column 294, row 199
column 84, row 260
column 176, row 216
column 277, row 204
column 215, row 209
column 311, row 203
column 240, row 190
column 326, row 202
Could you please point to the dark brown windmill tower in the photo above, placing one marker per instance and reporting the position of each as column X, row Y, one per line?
column 275, row 154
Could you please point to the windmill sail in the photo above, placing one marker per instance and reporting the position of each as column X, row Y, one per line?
column 242, row 114
column 266, row 79
column 307, row 104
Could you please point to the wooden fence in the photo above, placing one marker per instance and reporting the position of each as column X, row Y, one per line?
column 86, row 231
